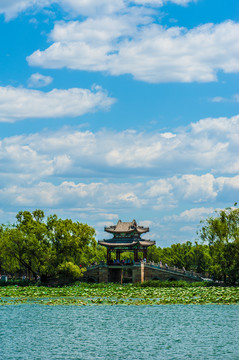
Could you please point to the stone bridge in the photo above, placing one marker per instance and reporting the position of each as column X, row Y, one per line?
column 138, row 272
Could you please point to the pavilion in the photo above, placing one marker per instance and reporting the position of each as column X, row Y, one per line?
column 126, row 237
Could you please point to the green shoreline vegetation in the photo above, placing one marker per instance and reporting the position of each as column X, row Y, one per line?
column 149, row 293
column 57, row 251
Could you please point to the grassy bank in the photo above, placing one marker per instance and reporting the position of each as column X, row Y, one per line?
column 110, row 294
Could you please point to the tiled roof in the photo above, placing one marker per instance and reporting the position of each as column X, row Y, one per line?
column 126, row 227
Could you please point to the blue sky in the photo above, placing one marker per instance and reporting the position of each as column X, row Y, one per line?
column 120, row 110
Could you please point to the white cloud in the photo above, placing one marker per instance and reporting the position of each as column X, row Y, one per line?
column 109, row 216
column 102, row 224
column 208, row 147
column 19, row 103
column 158, row 188
column 39, row 80
column 162, row 2
column 186, row 188
column 187, row 229
column 146, row 223
column 173, row 181
column 92, row 7
column 197, row 188
column 112, row 197
column 232, row 182
column 71, row 194
column 191, row 215
column 168, row 135
column 149, row 52
column 218, row 99
column 11, row 8
column 99, row 202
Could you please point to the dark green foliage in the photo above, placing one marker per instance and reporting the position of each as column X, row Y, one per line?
column 20, row 282
column 221, row 233
column 194, row 257
column 53, row 248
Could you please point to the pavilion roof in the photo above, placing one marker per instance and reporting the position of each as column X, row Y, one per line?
column 124, row 243
column 126, row 227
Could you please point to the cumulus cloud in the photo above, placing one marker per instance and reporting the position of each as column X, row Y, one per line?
column 191, row 215
column 189, row 187
column 39, row 80
column 110, row 196
column 19, row 103
column 11, row 8
column 39, row 161
column 173, row 174
column 149, row 52
column 72, row 194
column 103, row 203
column 204, row 149
column 92, row 7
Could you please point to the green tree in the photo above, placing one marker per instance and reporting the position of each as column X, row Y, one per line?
column 221, row 232
column 154, row 253
column 53, row 248
column 201, row 258
column 71, row 242
column 182, row 255
column 24, row 246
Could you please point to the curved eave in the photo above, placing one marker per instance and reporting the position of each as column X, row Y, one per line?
column 141, row 231
column 138, row 230
column 104, row 243
column 147, row 243
column 131, row 244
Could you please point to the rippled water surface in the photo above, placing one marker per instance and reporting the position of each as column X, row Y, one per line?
column 198, row 332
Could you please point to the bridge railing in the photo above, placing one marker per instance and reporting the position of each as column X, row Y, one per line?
column 175, row 270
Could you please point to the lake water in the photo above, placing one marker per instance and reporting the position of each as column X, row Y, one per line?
column 167, row 332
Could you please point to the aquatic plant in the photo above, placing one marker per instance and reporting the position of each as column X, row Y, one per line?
column 111, row 294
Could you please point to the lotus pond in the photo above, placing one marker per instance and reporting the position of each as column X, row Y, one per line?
column 111, row 294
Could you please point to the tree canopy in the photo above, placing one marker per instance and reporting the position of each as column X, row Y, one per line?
column 52, row 247
column 221, row 233
column 46, row 248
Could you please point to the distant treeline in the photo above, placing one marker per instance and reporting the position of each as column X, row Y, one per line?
column 52, row 248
